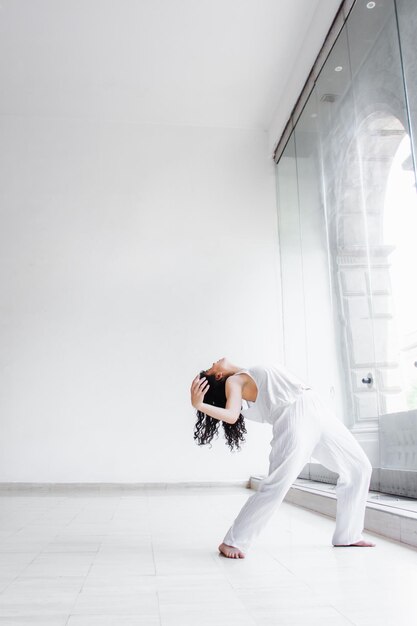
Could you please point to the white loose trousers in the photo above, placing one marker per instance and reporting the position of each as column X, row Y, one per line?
column 304, row 429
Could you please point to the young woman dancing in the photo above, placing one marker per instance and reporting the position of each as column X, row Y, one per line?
column 301, row 426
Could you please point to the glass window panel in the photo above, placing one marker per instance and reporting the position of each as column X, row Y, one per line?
column 348, row 224
column 293, row 310
column 322, row 357
column 385, row 159
column 347, row 234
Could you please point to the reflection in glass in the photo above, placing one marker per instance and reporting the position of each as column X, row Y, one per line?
column 347, row 207
column 399, row 234
column 322, row 362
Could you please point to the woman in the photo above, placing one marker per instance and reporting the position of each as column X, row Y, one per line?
column 301, row 426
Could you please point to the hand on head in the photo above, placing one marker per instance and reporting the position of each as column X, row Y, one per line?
column 199, row 387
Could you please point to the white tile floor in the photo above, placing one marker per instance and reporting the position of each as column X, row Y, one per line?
column 150, row 558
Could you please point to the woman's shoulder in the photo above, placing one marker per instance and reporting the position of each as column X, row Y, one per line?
column 257, row 372
column 261, row 370
column 249, row 370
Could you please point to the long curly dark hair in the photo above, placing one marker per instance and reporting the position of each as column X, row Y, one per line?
column 206, row 426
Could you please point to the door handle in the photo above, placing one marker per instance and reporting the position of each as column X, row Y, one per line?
column 368, row 380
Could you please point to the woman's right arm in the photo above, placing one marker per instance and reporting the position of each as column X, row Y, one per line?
column 230, row 413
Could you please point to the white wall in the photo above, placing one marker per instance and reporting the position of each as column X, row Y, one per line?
column 131, row 256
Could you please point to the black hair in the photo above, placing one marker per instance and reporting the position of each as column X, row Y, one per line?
column 207, row 426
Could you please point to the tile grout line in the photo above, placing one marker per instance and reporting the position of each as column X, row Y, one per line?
column 148, row 507
column 87, row 574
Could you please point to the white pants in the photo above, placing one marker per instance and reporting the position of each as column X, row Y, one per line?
column 305, row 429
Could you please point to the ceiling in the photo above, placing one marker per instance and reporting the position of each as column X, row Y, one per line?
column 225, row 63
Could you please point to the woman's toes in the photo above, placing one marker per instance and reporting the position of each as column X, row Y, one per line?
column 231, row 551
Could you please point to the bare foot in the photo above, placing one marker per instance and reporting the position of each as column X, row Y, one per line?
column 231, row 551
column 361, row 544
